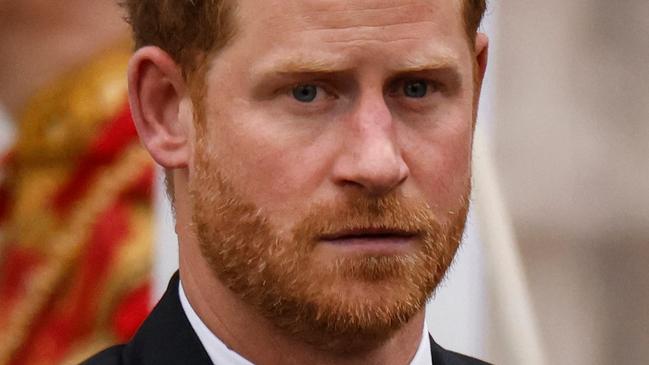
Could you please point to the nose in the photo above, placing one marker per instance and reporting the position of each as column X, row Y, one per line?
column 370, row 158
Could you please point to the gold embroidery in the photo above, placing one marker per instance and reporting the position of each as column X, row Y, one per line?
column 55, row 129
column 86, row 349
column 130, row 271
column 67, row 244
column 58, row 122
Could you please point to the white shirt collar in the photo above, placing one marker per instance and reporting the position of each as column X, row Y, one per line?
column 423, row 355
column 219, row 353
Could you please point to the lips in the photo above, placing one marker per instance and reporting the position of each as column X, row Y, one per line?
column 369, row 234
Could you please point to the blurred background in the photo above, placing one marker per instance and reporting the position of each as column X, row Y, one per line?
column 76, row 203
column 571, row 142
column 564, row 122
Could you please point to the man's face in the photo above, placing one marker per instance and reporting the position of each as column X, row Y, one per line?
column 331, row 170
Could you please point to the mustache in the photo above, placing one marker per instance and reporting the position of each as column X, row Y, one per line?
column 391, row 214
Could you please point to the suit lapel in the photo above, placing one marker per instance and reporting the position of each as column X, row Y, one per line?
column 166, row 337
column 442, row 356
column 437, row 352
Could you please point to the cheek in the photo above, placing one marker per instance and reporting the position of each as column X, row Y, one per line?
column 273, row 165
column 440, row 164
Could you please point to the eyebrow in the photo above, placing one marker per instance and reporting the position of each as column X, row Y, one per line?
column 325, row 63
column 328, row 63
column 425, row 63
column 301, row 64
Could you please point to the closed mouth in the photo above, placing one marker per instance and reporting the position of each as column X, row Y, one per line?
column 369, row 234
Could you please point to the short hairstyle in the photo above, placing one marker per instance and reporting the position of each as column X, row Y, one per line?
column 190, row 30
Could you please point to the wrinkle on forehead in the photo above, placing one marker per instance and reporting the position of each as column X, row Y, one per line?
column 385, row 34
column 383, row 17
column 331, row 15
column 412, row 34
column 358, row 7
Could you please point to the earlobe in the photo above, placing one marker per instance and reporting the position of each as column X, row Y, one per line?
column 156, row 90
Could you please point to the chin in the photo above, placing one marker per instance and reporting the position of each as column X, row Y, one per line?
column 349, row 305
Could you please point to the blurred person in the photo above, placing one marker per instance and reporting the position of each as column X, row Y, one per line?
column 75, row 186
column 318, row 157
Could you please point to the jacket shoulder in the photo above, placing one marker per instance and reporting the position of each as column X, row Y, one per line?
column 110, row 356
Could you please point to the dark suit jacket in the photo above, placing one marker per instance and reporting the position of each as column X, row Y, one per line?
column 167, row 338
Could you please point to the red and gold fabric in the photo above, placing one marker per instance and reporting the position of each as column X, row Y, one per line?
column 75, row 220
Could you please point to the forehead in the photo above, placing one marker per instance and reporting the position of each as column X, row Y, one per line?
column 341, row 14
column 345, row 26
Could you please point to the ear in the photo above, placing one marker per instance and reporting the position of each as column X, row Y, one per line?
column 482, row 56
column 156, row 89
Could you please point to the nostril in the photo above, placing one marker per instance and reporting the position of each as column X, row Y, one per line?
column 376, row 176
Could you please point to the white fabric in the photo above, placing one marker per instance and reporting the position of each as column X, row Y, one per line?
column 219, row 353
column 423, row 355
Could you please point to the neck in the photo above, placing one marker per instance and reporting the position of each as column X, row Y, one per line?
column 252, row 336
column 40, row 40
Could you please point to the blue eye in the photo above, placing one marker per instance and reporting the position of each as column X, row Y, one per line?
column 305, row 93
column 415, row 89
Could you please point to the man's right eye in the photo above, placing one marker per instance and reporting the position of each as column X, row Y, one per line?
column 305, row 93
column 415, row 89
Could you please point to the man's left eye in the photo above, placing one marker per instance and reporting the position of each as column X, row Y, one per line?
column 305, row 93
column 415, row 88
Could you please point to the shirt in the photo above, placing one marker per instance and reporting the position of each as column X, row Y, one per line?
column 219, row 353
